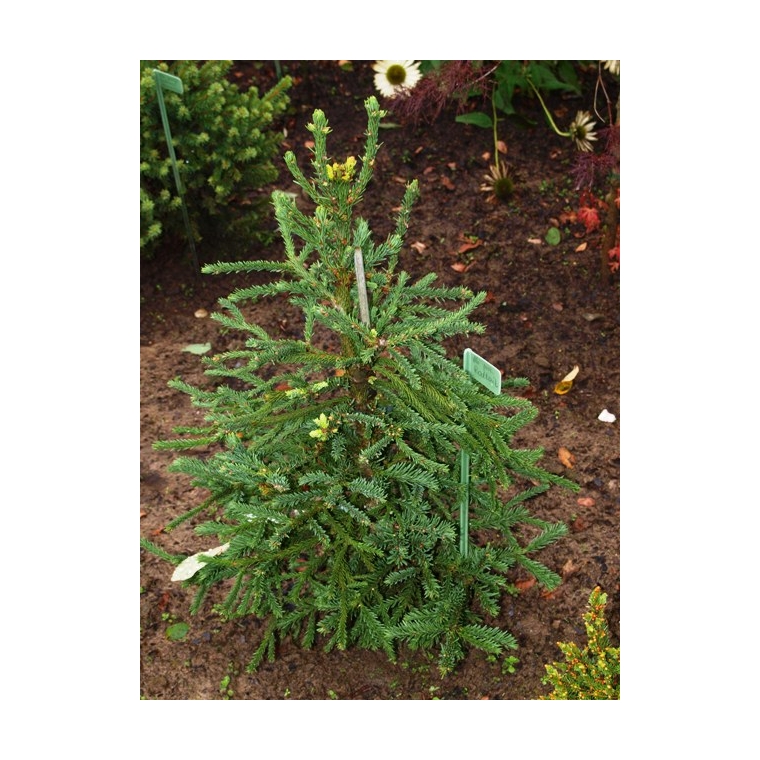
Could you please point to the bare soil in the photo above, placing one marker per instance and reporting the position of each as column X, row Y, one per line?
column 547, row 311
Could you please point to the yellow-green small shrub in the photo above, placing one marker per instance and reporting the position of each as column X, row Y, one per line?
column 592, row 672
column 225, row 143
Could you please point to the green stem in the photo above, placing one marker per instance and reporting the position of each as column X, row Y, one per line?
column 495, row 134
column 546, row 110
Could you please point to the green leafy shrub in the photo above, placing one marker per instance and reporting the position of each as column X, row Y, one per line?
column 336, row 491
column 225, row 145
column 512, row 77
column 594, row 671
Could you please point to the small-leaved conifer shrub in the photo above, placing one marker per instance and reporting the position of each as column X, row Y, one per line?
column 225, row 144
column 333, row 469
column 592, row 672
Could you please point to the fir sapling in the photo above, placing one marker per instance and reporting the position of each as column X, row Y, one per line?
column 592, row 672
column 334, row 489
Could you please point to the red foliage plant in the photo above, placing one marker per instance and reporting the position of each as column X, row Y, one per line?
column 591, row 167
column 453, row 80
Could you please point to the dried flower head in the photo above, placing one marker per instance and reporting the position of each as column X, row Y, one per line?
column 396, row 77
column 612, row 66
column 582, row 131
column 498, row 183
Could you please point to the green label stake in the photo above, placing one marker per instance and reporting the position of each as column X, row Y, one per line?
column 486, row 374
column 171, row 83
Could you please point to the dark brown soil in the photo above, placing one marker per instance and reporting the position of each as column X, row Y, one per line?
column 547, row 311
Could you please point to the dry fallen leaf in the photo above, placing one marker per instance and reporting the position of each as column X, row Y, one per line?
column 586, row 501
column 418, row 246
column 524, row 585
column 469, row 246
column 567, row 459
column 569, row 568
column 564, row 385
column 577, row 525
column 447, row 183
column 143, row 513
column 461, row 267
column 581, row 247
column 535, row 241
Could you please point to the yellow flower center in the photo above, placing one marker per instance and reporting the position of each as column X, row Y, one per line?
column 396, row 74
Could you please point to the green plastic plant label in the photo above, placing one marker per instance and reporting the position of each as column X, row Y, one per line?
column 482, row 371
column 486, row 374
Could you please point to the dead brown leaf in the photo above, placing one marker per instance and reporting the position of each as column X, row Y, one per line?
column 577, row 525
column 569, row 568
column 447, row 183
column 581, row 247
column 461, row 267
column 565, row 457
column 418, row 246
column 586, row 501
column 525, row 584
column 469, row 246
column 535, row 241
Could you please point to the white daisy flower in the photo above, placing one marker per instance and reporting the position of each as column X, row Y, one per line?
column 396, row 77
column 582, row 131
column 612, row 66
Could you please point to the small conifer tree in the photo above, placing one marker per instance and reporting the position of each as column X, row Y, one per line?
column 594, row 671
column 335, row 486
